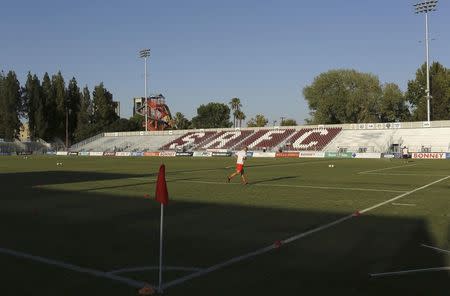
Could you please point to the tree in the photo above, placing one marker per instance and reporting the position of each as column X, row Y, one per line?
column 2, row 104
column 73, row 106
column 84, row 116
column 31, row 97
column 212, row 115
column 289, row 122
column 343, row 96
column 139, row 121
column 10, row 106
column 181, row 122
column 240, row 116
column 258, row 121
column 121, row 125
column 439, row 90
column 103, row 107
column 235, row 104
column 393, row 105
column 59, row 89
column 49, row 101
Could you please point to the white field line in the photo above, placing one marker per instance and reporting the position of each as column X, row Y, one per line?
column 436, row 249
column 295, row 186
column 405, row 174
column 288, row 240
column 403, row 204
column 409, row 271
column 145, row 268
column 403, row 195
column 93, row 272
column 385, row 169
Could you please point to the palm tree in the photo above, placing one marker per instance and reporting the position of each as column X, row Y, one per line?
column 235, row 104
column 240, row 116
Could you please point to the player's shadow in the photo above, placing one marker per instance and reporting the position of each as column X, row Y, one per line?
column 272, row 179
column 130, row 185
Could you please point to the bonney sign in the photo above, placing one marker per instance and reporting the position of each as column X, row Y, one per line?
column 423, row 155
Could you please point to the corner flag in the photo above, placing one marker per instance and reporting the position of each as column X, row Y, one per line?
column 161, row 194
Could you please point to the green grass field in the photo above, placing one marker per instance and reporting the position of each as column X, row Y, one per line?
column 91, row 212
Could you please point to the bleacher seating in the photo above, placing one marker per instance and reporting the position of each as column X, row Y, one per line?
column 312, row 139
column 190, row 139
column 369, row 140
column 126, row 143
column 436, row 139
column 266, row 139
column 226, row 139
column 20, row 147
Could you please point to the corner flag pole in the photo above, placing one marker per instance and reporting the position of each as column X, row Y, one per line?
column 162, row 196
column 161, row 248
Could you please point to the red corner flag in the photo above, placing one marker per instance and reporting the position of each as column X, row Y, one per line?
column 161, row 194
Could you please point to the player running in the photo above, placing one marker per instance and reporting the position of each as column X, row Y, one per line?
column 405, row 154
column 241, row 157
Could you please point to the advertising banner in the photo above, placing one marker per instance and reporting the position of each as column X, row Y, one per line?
column 138, row 153
column 287, row 154
column 338, row 155
column 48, row 153
column 109, row 153
column 220, row 154
column 311, row 154
column 202, row 154
column 83, row 153
column 448, row 155
column 6, row 153
column 61, row 153
column 217, row 150
column 151, row 153
column 388, row 155
column 366, row 155
column 263, row 154
column 95, row 153
column 123, row 153
column 429, row 155
column 249, row 153
column 167, row 153
column 73, row 153
column 184, row 153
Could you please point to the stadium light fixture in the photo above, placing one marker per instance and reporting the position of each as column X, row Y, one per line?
column 144, row 54
column 427, row 7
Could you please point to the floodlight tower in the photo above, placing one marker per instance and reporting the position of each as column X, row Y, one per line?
column 145, row 53
column 426, row 7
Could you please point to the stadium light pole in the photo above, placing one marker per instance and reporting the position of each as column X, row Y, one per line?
column 426, row 7
column 145, row 53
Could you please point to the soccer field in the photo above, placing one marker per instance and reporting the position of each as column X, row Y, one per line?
column 293, row 230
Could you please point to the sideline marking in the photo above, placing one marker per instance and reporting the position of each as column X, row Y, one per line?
column 385, row 169
column 295, row 186
column 409, row 271
column 290, row 239
column 436, row 249
column 405, row 174
column 93, row 272
column 403, row 195
column 145, row 268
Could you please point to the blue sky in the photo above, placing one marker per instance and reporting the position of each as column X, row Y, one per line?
column 263, row 52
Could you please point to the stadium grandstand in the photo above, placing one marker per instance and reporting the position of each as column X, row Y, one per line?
column 376, row 137
column 24, row 147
